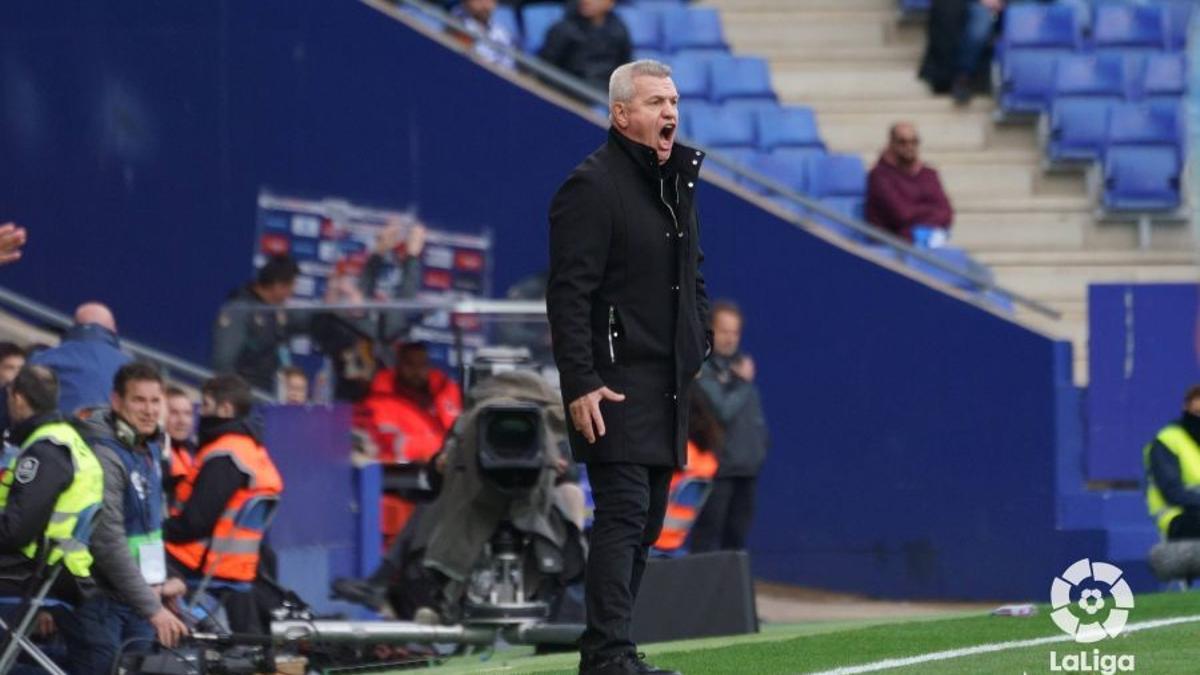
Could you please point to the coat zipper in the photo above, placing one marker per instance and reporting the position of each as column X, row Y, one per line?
column 662, row 196
column 612, row 327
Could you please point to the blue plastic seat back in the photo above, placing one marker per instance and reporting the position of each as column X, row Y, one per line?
column 1090, row 75
column 691, row 75
column 1078, row 127
column 1034, row 25
column 837, row 176
column 1121, row 25
column 1027, row 80
column 789, row 127
column 537, row 20
column 1154, row 123
column 1142, row 178
column 644, row 26
column 742, row 156
column 723, row 128
column 505, row 16
column 1164, row 75
column 741, row 77
column 1179, row 18
column 692, row 28
column 791, row 172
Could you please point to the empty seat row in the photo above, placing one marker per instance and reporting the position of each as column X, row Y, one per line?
column 1083, row 129
column 1109, row 26
column 763, row 130
column 666, row 28
column 722, row 79
column 1030, row 80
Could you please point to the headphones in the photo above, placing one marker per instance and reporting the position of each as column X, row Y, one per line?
column 129, row 436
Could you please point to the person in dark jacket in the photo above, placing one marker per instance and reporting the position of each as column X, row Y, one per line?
column 628, row 315
column 1172, row 463
column 903, row 192
column 129, row 561
column 86, row 360
column 727, row 381
column 248, row 342
column 589, row 42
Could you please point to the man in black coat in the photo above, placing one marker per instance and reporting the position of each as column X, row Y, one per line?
column 628, row 316
column 589, row 42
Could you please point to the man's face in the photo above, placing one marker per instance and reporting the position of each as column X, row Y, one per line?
column 905, row 143
column 595, row 9
column 480, row 10
column 1193, row 406
column 295, row 389
column 652, row 115
column 210, row 408
column 180, row 418
column 727, row 333
column 412, row 368
column 140, row 405
column 278, row 293
column 9, row 367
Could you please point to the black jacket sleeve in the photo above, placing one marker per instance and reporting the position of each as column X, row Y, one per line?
column 704, row 314
column 557, row 45
column 219, row 478
column 41, row 473
column 1164, row 468
column 580, row 233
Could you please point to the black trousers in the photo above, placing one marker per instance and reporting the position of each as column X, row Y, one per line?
column 724, row 522
column 631, row 500
column 1184, row 526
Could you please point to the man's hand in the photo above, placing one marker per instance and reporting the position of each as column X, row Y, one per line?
column 416, row 241
column 585, row 412
column 12, row 238
column 168, row 628
column 744, row 368
column 172, row 588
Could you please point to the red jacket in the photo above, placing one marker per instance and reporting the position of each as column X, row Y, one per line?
column 408, row 426
column 898, row 199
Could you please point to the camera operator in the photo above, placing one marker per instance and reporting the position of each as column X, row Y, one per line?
column 231, row 468
column 127, row 541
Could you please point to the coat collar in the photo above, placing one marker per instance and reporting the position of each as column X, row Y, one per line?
column 684, row 161
column 91, row 332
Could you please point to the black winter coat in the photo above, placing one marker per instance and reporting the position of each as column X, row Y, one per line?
column 626, row 299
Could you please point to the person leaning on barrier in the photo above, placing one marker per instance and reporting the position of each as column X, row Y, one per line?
column 250, row 329
column 127, row 541
column 232, row 467
column 53, row 478
column 1172, row 464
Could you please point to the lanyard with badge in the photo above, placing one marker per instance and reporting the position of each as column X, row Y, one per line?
column 152, row 559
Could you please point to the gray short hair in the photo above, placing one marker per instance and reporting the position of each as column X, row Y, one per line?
column 620, row 85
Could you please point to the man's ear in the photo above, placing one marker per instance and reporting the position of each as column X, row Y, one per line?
column 620, row 115
column 113, row 400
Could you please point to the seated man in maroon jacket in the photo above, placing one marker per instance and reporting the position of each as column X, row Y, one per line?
column 902, row 192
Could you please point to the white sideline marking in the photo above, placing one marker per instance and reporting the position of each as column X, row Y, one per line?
column 888, row 664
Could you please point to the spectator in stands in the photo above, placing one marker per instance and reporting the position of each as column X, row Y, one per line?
column 232, row 467
column 126, row 543
column 12, row 359
column 180, row 458
column 903, row 192
column 295, row 385
column 589, row 42
column 476, row 15
column 86, row 360
column 1172, row 462
column 12, row 238
column 727, row 381
column 249, row 333
column 957, row 40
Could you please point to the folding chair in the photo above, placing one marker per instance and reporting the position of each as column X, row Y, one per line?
column 256, row 514
column 17, row 638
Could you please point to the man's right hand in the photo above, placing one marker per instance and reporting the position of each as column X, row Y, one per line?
column 168, row 628
column 585, row 412
column 12, row 238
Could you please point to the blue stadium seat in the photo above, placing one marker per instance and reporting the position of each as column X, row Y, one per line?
column 507, row 17
column 652, row 54
column 691, row 76
column 851, row 207
column 1035, row 26
column 1142, row 179
column 791, row 173
column 689, row 108
column 1158, row 123
column 740, row 78
column 957, row 259
column 1179, row 18
column 837, row 176
column 693, row 29
column 1078, row 128
column 1129, row 26
column 743, row 156
column 721, row 128
column 536, row 21
column 644, row 26
column 1164, row 76
column 1027, row 79
column 753, row 106
column 802, row 155
column 1090, row 75
column 790, row 127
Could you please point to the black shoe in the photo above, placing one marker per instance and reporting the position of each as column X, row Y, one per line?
column 638, row 662
column 361, row 592
column 961, row 91
column 607, row 665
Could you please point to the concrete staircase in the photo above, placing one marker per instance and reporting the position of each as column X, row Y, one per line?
column 855, row 63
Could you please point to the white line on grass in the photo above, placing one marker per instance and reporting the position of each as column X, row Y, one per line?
column 888, row 664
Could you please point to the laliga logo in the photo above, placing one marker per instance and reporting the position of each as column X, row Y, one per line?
column 1086, row 625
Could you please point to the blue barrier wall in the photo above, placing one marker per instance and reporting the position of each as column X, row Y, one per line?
column 914, row 435
column 1143, row 354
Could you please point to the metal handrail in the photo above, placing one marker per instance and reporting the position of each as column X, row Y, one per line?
column 583, row 91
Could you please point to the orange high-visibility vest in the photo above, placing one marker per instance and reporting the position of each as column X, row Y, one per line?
column 231, row 552
column 183, row 464
column 701, row 465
